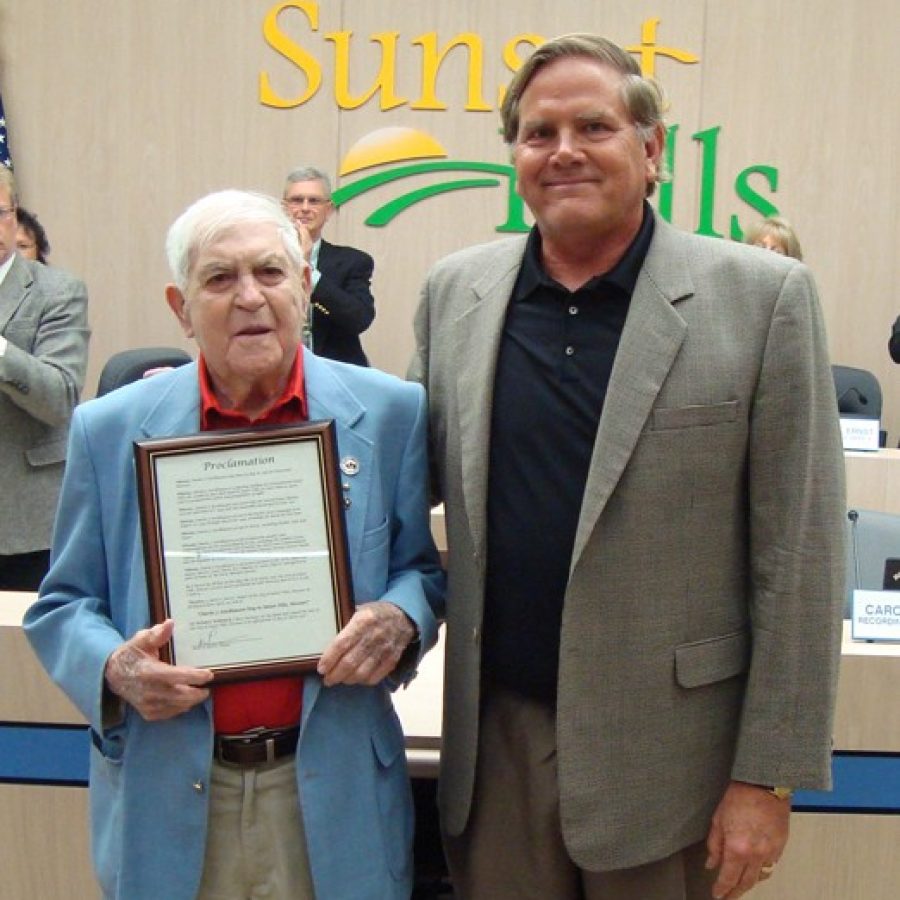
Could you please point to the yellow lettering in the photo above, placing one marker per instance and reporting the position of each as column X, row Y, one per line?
column 291, row 51
column 648, row 51
column 384, row 81
column 432, row 60
column 512, row 60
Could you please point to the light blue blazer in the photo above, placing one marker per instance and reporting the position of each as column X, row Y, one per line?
column 149, row 780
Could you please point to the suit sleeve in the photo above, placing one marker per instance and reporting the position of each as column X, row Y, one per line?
column 346, row 294
column 43, row 368
column 797, row 503
column 415, row 578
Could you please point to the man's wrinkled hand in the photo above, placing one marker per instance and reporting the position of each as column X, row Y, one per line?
column 369, row 646
column 747, row 837
column 155, row 689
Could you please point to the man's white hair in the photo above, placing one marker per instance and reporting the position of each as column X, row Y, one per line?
column 206, row 220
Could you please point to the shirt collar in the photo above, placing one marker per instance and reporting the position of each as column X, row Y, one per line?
column 314, row 253
column 623, row 275
column 5, row 267
column 291, row 406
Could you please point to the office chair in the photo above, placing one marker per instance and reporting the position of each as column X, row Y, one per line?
column 858, row 392
column 872, row 539
column 129, row 365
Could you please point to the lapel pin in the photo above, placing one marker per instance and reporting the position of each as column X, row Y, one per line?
column 349, row 465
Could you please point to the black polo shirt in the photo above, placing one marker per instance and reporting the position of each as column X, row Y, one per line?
column 553, row 368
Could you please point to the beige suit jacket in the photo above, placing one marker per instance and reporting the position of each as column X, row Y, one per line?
column 701, row 628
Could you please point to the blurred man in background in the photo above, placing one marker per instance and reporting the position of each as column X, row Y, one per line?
column 342, row 305
column 43, row 357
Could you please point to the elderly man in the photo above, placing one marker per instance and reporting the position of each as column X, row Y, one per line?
column 641, row 465
column 342, row 305
column 43, row 356
column 180, row 807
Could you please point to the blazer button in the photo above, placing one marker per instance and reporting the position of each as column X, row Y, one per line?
column 198, row 786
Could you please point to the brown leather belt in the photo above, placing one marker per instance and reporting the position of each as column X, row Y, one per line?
column 256, row 747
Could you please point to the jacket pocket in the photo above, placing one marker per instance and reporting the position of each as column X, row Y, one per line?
column 712, row 659
column 694, row 416
column 375, row 538
column 47, row 453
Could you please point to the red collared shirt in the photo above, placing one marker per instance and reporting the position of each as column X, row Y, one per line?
column 270, row 702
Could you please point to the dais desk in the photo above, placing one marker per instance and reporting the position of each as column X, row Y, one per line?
column 843, row 845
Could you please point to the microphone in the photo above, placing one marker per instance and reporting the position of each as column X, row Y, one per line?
column 853, row 516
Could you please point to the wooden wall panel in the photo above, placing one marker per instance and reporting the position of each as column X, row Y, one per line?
column 121, row 114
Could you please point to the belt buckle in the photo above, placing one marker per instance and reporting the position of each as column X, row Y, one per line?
column 251, row 737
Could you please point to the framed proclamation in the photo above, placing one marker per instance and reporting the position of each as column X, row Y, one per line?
column 245, row 547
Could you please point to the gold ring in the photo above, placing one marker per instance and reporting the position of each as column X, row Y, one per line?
column 767, row 870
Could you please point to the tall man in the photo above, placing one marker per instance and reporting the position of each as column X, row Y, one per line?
column 636, row 439
column 284, row 787
column 43, row 356
column 342, row 305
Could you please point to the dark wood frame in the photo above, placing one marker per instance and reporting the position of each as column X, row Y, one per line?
column 323, row 434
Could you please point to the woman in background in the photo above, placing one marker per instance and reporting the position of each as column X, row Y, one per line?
column 31, row 239
column 774, row 233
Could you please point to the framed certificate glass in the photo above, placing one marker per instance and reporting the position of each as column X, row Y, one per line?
column 245, row 547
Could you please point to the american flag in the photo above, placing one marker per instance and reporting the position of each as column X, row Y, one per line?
column 4, row 143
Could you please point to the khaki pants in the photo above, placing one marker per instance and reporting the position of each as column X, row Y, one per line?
column 255, row 843
column 512, row 848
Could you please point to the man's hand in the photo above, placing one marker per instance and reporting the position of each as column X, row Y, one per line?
column 747, row 837
column 305, row 238
column 369, row 646
column 155, row 689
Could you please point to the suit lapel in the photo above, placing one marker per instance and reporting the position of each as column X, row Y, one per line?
column 476, row 345
column 653, row 335
column 176, row 411
column 329, row 259
column 14, row 290
column 330, row 398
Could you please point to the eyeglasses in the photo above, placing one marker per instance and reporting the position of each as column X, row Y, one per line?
column 297, row 202
column 6, row 212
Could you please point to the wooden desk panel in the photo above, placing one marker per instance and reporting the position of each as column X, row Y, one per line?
column 45, row 843
column 873, row 480
column 867, row 715
column 837, row 857
column 35, row 697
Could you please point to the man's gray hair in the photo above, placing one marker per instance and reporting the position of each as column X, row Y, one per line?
column 211, row 216
column 310, row 173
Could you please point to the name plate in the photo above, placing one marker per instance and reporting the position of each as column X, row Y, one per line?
column 876, row 616
column 859, row 434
